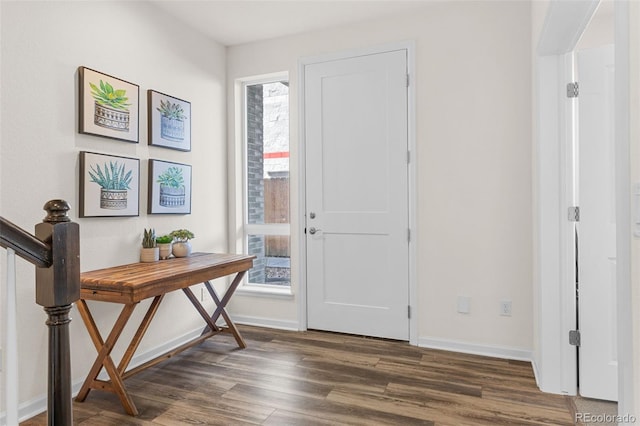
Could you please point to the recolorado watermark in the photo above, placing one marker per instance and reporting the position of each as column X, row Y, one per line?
column 586, row 418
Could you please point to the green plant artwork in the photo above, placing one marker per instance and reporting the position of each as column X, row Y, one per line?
column 108, row 96
column 113, row 176
column 172, row 177
column 170, row 110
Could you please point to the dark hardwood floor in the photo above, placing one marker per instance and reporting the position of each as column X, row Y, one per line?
column 318, row 378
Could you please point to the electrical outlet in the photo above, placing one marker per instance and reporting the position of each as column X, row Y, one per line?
column 505, row 308
column 202, row 294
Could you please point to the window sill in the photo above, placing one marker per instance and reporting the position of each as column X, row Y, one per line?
column 265, row 290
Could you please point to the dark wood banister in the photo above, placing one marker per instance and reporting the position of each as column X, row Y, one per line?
column 55, row 251
column 24, row 244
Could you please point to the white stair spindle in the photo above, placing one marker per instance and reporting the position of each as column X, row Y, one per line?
column 11, row 344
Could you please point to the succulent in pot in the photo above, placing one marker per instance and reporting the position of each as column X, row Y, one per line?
column 108, row 96
column 111, row 109
column 172, row 189
column 164, row 244
column 149, row 251
column 164, row 239
column 171, row 110
column 114, row 182
column 172, row 119
column 181, row 245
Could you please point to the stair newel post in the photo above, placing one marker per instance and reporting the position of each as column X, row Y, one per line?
column 57, row 287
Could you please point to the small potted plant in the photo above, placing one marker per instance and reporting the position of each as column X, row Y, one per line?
column 164, row 245
column 149, row 251
column 181, row 244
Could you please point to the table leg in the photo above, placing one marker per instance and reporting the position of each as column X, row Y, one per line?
column 201, row 310
column 142, row 329
column 104, row 359
column 221, row 307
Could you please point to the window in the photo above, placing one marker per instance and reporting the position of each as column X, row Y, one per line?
column 266, row 173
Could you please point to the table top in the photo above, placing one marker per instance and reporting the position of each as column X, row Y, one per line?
column 138, row 281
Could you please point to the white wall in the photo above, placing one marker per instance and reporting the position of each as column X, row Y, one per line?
column 473, row 79
column 43, row 43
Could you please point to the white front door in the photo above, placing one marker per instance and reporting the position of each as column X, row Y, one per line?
column 357, row 195
column 598, row 366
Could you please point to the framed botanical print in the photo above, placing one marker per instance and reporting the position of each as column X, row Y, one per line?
column 169, row 121
column 169, row 187
column 109, row 185
column 109, row 106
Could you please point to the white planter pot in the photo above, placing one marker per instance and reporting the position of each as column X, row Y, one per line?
column 181, row 249
column 165, row 250
column 149, row 254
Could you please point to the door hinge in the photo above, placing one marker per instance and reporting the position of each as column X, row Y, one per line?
column 408, row 80
column 408, row 157
column 574, row 214
column 574, row 337
column 572, row 90
column 408, row 235
column 409, row 311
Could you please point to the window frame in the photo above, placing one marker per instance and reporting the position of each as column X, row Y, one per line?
column 267, row 229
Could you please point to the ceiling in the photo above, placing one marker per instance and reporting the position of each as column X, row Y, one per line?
column 233, row 22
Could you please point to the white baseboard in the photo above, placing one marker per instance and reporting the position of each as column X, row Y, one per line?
column 534, row 366
column 476, row 349
column 266, row 322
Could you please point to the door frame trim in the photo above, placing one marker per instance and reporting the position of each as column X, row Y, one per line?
column 556, row 362
column 550, row 358
column 409, row 46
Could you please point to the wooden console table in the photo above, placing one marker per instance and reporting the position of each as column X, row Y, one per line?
column 130, row 284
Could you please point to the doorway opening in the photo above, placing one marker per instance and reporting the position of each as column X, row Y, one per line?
column 594, row 191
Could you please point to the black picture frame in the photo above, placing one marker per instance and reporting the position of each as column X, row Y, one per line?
column 109, row 185
column 169, row 187
column 169, row 121
column 108, row 106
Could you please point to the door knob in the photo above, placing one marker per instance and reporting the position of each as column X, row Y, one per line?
column 313, row 230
